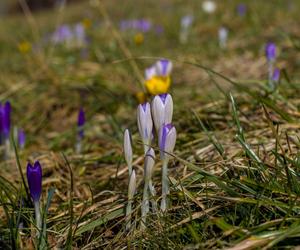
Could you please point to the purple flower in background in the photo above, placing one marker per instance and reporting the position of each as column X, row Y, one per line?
column 270, row 50
column 241, row 9
column 79, row 31
column 34, row 179
column 164, row 67
column 142, row 25
column 62, row 34
column 80, row 123
column 5, row 111
column 186, row 21
column 21, row 138
column 276, row 75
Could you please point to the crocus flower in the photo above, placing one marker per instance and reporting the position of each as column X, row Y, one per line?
column 163, row 67
column 80, row 123
column 162, row 110
column 21, row 138
column 223, row 35
column 150, row 72
column 157, row 77
column 5, row 116
column 209, row 6
column 131, row 192
column 148, row 169
column 128, row 150
column 79, row 33
column 241, row 9
column 34, row 179
column 186, row 22
column 62, row 34
column 145, row 124
column 276, row 75
column 166, row 140
column 270, row 51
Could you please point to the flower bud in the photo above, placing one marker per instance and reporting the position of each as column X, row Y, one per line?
column 128, row 150
column 145, row 124
column 34, row 179
column 132, row 185
column 80, row 123
column 149, row 164
column 21, row 138
column 270, row 51
column 162, row 110
column 276, row 75
column 167, row 140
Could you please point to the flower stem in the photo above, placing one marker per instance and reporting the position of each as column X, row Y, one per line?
column 165, row 184
column 145, row 203
column 270, row 69
column 128, row 214
column 38, row 217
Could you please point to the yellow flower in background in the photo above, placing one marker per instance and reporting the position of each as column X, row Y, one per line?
column 24, row 47
column 158, row 84
column 141, row 97
column 138, row 38
column 87, row 23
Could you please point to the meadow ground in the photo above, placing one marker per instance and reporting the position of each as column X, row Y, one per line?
column 234, row 175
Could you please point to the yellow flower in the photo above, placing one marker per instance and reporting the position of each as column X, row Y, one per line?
column 86, row 23
column 24, row 47
column 138, row 38
column 158, row 84
column 141, row 97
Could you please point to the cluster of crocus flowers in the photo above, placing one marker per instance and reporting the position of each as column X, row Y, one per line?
column 185, row 24
column 157, row 77
column 34, row 179
column 80, row 129
column 141, row 25
column 70, row 36
column 273, row 74
column 154, row 118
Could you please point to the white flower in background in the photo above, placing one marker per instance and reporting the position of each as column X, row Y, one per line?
column 209, row 6
column 223, row 36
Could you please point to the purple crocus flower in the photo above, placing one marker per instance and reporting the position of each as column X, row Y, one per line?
column 144, row 25
column 167, row 139
column 270, row 51
column 34, row 179
column 62, row 34
column 21, row 138
column 241, row 9
column 162, row 110
column 5, row 119
column 276, row 75
column 80, row 123
column 164, row 67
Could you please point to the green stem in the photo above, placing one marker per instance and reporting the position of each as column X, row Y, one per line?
column 165, row 184
column 38, row 217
